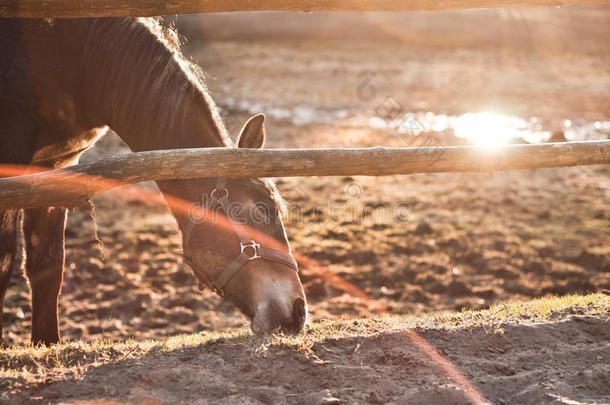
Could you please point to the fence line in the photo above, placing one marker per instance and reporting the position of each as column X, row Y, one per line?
column 122, row 8
column 72, row 186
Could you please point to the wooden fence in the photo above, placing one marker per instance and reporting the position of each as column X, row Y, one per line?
column 118, row 8
column 74, row 185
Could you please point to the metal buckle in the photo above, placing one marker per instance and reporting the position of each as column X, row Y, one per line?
column 255, row 246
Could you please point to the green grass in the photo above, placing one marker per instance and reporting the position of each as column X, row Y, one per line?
column 30, row 364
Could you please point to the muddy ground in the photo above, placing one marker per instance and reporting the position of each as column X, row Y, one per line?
column 415, row 243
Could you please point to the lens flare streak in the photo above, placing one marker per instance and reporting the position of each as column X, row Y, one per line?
column 182, row 206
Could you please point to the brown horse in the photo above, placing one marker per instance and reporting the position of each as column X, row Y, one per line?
column 63, row 83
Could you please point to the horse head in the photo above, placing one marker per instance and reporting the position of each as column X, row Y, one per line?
column 235, row 242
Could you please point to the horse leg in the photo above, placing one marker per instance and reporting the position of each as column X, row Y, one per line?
column 44, row 228
column 44, row 233
column 8, row 247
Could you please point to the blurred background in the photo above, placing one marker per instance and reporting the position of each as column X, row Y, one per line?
column 415, row 244
column 537, row 70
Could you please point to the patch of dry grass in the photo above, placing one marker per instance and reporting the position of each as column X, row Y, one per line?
column 28, row 364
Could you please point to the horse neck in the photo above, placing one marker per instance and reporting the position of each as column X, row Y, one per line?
column 148, row 93
column 146, row 90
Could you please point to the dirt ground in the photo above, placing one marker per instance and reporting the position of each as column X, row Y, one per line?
column 526, row 360
column 414, row 243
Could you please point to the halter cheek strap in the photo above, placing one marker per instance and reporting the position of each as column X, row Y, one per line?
column 249, row 248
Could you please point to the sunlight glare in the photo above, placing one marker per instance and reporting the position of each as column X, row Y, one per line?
column 487, row 129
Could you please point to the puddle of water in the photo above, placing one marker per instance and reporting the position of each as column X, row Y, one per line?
column 490, row 129
column 582, row 130
column 300, row 115
column 485, row 128
column 482, row 128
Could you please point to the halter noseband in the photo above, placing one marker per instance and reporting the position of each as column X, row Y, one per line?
column 249, row 248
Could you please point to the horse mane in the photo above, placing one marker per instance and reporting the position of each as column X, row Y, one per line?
column 273, row 193
column 131, row 37
column 147, row 50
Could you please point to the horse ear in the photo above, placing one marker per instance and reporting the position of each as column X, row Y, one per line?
column 252, row 135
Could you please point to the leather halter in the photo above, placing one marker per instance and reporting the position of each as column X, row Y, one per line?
column 249, row 248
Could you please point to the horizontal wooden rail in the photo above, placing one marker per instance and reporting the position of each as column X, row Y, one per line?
column 121, row 8
column 73, row 186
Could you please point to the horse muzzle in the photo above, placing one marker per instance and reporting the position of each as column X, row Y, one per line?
column 272, row 316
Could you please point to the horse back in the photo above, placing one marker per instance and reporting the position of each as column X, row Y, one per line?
column 19, row 121
column 41, row 117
